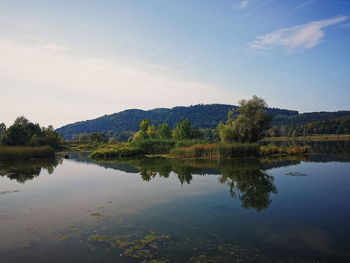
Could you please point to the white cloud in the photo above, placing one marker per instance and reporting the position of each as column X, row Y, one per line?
column 305, row 3
column 242, row 4
column 297, row 37
column 55, row 48
column 190, row 58
column 51, row 84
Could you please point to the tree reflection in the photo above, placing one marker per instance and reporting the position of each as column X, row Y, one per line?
column 22, row 171
column 250, row 185
column 246, row 178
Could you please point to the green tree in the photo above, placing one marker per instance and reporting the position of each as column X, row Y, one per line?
column 182, row 130
column 2, row 131
column 21, row 132
column 98, row 137
column 144, row 125
column 50, row 137
column 151, row 132
column 164, row 131
column 247, row 123
column 141, row 134
column 82, row 137
column 25, row 133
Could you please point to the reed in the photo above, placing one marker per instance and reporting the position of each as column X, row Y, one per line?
column 25, row 152
column 274, row 149
column 215, row 150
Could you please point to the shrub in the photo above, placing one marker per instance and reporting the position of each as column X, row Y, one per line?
column 123, row 151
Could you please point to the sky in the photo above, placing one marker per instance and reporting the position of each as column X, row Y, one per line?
column 72, row 60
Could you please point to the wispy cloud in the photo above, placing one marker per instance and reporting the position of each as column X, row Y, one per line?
column 296, row 38
column 55, row 48
column 253, row 9
column 157, row 51
column 305, row 3
column 242, row 4
column 190, row 58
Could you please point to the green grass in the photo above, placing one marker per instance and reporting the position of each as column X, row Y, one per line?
column 119, row 152
column 25, row 152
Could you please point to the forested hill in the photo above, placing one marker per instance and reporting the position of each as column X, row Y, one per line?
column 201, row 116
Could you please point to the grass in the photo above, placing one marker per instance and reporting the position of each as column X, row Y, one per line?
column 154, row 146
column 25, row 152
column 118, row 152
column 273, row 149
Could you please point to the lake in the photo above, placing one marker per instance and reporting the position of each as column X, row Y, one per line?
column 280, row 209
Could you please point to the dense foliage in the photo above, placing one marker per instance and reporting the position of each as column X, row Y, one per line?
column 246, row 123
column 330, row 126
column 25, row 133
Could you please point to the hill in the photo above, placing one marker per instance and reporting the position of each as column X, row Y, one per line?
column 201, row 116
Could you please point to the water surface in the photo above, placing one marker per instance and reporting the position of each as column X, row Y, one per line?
column 286, row 209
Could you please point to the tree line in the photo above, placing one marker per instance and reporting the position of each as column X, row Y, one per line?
column 245, row 124
column 330, row 126
column 26, row 133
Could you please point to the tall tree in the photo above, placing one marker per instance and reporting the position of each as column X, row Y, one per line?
column 141, row 134
column 182, row 130
column 247, row 122
column 164, row 131
column 152, row 132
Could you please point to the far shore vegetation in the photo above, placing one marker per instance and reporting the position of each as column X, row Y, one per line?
column 26, row 140
column 246, row 133
column 238, row 137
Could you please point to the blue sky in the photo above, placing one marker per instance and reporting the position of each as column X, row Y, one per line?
column 65, row 61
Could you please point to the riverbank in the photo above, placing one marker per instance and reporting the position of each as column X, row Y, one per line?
column 201, row 151
column 328, row 137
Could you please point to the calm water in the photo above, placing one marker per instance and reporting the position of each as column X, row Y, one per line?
column 294, row 209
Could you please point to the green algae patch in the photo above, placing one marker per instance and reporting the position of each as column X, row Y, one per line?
column 65, row 237
column 96, row 215
column 202, row 259
column 99, row 238
column 130, row 245
column 157, row 261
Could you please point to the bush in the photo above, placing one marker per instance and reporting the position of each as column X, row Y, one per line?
column 25, row 152
column 123, row 151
